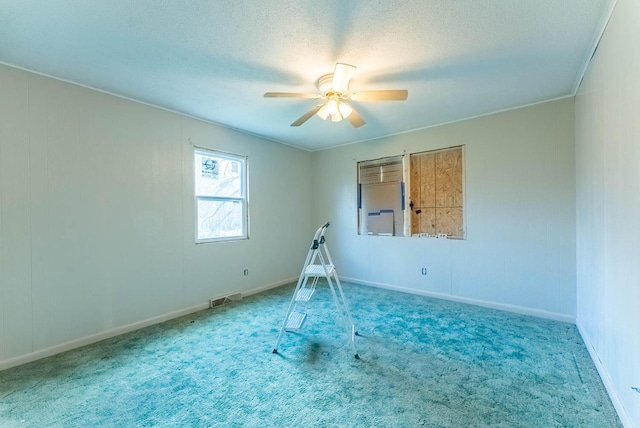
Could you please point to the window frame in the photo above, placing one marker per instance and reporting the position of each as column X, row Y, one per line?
column 365, row 187
column 243, row 198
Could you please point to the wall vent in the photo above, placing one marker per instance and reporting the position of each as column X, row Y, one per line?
column 213, row 303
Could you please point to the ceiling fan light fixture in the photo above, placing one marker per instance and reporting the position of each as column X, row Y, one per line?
column 334, row 91
column 345, row 109
column 322, row 113
column 331, row 106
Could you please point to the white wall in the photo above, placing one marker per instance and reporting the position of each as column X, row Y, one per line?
column 520, row 214
column 608, row 208
column 97, row 215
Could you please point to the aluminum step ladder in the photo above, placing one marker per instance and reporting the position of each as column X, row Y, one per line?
column 317, row 265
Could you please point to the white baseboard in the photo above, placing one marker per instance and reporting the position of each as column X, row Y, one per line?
column 606, row 379
column 492, row 305
column 97, row 337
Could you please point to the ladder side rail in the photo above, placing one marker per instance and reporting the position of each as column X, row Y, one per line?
column 345, row 302
column 344, row 299
column 340, row 301
column 337, row 302
column 326, row 251
column 301, row 281
column 313, row 259
column 333, row 291
column 341, row 308
column 322, row 262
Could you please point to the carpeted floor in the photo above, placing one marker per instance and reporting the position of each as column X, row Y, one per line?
column 424, row 362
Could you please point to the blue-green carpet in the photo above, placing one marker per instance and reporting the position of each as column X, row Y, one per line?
column 424, row 363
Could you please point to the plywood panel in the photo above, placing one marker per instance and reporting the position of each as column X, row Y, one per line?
column 437, row 182
column 415, row 184
column 449, row 178
column 423, row 220
column 428, row 180
column 423, row 184
column 449, row 221
column 415, row 222
column 428, row 221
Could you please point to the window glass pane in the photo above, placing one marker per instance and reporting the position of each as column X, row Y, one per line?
column 218, row 176
column 219, row 219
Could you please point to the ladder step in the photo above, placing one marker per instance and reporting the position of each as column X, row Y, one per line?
column 318, row 270
column 304, row 294
column 295, row 321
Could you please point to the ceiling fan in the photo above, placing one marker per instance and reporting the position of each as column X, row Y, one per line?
column 335, row 94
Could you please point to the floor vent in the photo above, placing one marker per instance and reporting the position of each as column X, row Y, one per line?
column 213, row 303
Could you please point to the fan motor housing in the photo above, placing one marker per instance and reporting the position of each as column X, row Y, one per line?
column 325, row 82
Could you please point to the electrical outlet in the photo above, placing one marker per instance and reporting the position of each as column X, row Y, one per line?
column 424, row 270
column 246, row 272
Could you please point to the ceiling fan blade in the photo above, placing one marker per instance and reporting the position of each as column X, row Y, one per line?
column 384, row 95
column 342, row 76
column 355, row 119
column 307, row 115
column 290, row 95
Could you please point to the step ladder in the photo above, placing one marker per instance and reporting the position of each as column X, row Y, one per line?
column 317, row 265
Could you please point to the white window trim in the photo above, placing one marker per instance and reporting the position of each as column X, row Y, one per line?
column 244, row 199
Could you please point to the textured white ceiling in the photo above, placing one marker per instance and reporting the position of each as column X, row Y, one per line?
column 215, row 59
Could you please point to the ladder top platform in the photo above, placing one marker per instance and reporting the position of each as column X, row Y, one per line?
column 319, row 270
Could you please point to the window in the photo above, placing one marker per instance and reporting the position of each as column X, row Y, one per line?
column 220, row 196
column 436, row 193
column 432, row 205
column 381, row 205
